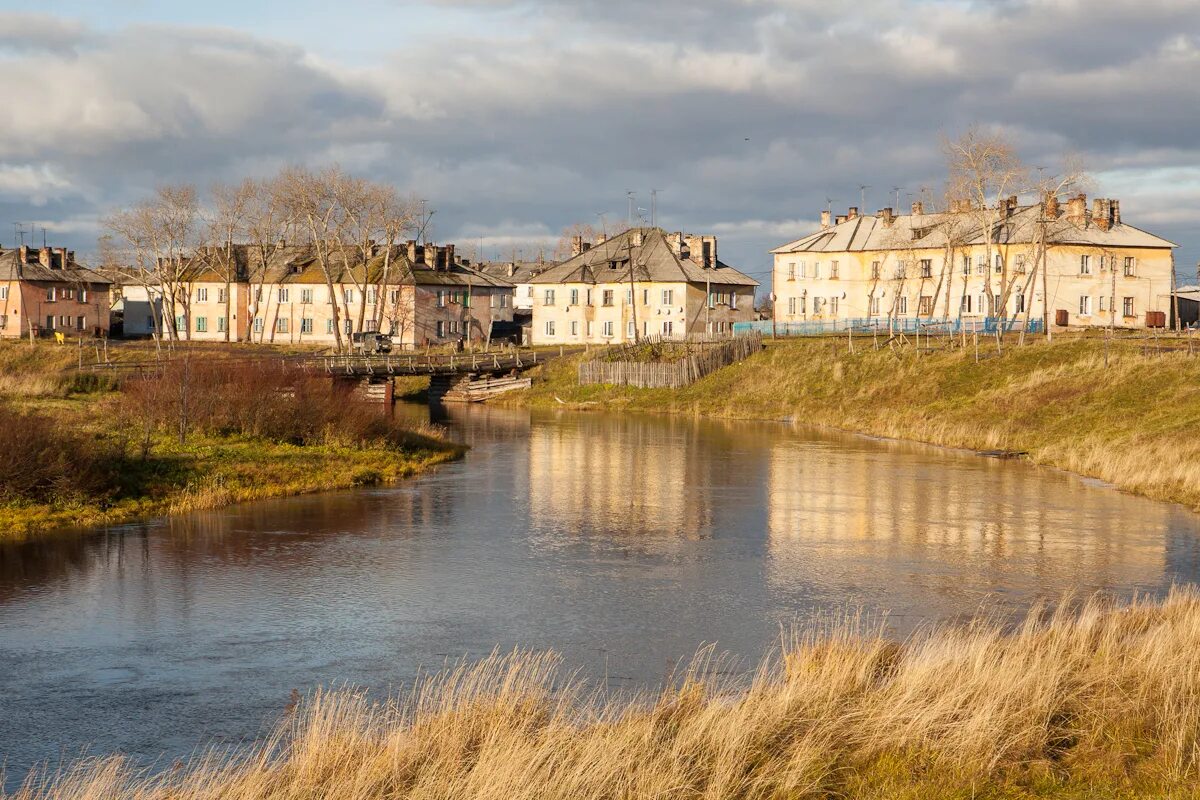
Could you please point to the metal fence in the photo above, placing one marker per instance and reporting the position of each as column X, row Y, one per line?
column 906, row 325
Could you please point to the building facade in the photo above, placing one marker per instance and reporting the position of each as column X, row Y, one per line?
column 1048, row 261
column 643, row 282
column 45, row 291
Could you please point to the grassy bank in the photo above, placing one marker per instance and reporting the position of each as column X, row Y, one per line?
column 1091, row 702
column 1131, row 423
column 202, row 432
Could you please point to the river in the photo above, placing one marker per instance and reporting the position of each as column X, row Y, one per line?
column 623, row 542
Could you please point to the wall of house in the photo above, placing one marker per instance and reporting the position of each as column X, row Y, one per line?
column 578, row 313
column 908, row 287
column 10, row 309
column 729, row 304
column 66, row 313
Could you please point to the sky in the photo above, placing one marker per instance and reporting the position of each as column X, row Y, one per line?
column 514, row 120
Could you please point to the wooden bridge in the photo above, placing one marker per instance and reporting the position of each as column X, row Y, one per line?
column 397, row 364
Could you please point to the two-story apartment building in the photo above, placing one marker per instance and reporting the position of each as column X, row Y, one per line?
column 1043, row 261
column 418, row 293
column 44, row 290
column 643, row 282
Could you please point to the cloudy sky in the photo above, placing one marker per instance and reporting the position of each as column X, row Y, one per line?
column 516, row 119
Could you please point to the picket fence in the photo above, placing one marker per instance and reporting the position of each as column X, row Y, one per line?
column 703, row 357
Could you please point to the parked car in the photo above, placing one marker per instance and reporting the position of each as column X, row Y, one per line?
column 371, row 343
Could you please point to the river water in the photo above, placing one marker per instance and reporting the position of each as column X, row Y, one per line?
column 623, row 542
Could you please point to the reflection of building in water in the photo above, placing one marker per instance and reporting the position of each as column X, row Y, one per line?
column 619, row 475
column 843, row 509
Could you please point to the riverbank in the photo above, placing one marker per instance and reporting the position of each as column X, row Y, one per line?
column 1090, row 701
column 1131, row 423
column 78, row 451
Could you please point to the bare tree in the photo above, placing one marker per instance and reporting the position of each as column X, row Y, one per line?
column 269, row 221
column 225, row 222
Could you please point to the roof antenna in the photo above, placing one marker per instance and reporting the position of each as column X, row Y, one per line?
column 862, row 196
column 19, row 232
column 897, row 189
column 629, row 217
column 43, row 236
column 654, row 208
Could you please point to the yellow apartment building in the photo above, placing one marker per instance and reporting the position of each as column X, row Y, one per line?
column 1048, row 261
column 643, row 282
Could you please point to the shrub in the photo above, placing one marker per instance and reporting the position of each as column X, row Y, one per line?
column 43, row 460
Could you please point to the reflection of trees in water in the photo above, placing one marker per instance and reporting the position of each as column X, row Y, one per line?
column 50, row 560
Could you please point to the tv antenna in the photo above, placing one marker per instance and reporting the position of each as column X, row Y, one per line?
column 897, row 189
column 19, row 232
column 654, row 207
column 631, row 195
column 862, row 196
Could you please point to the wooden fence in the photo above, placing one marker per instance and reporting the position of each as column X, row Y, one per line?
column 701, row 358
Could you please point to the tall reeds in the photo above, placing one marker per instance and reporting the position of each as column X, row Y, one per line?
column 1089, row 699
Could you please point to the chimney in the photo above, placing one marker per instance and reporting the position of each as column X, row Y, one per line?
column 1077, row 209
column 23, row 258
column 839, row 219
column 512, row 269
column 1051, row 205
column 676, row 241
column 852, row 213
column 824, row 220
column 411, row 245
column 637, row 237
column 576, row 245
column 918, row 208
column 44, row 257
column 64, row 258
column 449, row 257
column 1100, row 216
column 886, row 215
column 601, row 238
column 1114, row 212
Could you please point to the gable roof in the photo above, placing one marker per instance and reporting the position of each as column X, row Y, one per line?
column 936, row 230
column 522, row 271
column 11, row 269
column 654, row 260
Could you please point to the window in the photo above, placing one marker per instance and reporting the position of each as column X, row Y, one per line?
column 983, row 303
column 1020, row 263
column 874, row 270
column 645, row 297
column 372, row 295
column 668, row 327
column 348, row 296
column 83, row 295
column 834, row 270
column 872, row 306
column 900, row 270
column 588, row 327
column 220, row 324
column 791, row 305
column 733, row 300
column 574, row 297
column 64, row 322
column 68, row 294
column 1130, row 270
column 966, row 264
column 348, row 327
column 202, row 295
column 80, row 322
column 574, row 327
column 816, row 269
column 549, row 327
column 981, row 266
column 258, row 295
column 926, row 268
column 306, row 296
column 1085, row 304
column 1020, row 302
column 791, row 270
column 803, row 269
column 51, row 294
column 3, row 320
column 258, row 324
column 630, row 330
column 548, row 297
column 201, row 324
column 50, row 322
column 999, row 263
column 3, row 292
column 329, row 327
column 441, row 300
column 629, row 297
column 221, row 295
column 589, row 296
column 504, row 299
column 606, row 329
column 306, row 325
column 1103, row 300
column 285, row 295
column 998, row 306
column 965, row 306
column 925, row 305
column 668, row 297
column 712, row 299
column 901, row 305
column 606, row 298
column 441, row 329
column 281, row 325
column 1127, row 306
column 833, row 306
column 1085, row 266
column 393, row 296
column 180, row 323
column 466, row 299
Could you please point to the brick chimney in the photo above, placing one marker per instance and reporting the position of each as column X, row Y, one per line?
column 23, row 255
column 1100, row 217
column 1077, row 209
column 825, row 219
column 839, row 219
column 676, row 241
column 601, row 239
column 1050, row 203
column 411, row 247
column 886, row 215
column 576, row 245
column 64, row 258
column 852, row 213
column 1114, row 212
column 44, row 257
column 918, row 208
column 449, row 257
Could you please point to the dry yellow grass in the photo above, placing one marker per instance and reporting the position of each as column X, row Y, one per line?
column 1092, row 701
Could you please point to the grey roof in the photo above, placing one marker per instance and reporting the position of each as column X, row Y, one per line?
column 909, row 231
column 12, row 269
column 654, row 260
column 515, row 271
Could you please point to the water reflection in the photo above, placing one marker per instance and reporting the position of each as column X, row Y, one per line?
column 624, row 542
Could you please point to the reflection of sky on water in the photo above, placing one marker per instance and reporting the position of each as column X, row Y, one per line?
column 623, row 542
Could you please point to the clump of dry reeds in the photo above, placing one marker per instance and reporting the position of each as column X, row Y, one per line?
column 1088, row 697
